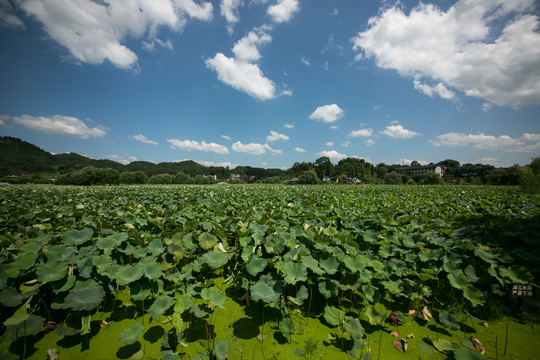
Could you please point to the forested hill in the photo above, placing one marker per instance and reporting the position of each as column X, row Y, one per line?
column 18, row 157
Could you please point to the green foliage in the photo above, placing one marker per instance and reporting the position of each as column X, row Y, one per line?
column 309, row 177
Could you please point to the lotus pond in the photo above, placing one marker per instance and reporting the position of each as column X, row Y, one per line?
column 269, row 272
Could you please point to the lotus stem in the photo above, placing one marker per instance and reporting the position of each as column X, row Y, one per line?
column 379, row 352
column 505, row 340
column 309, row 306
column 24, row 347
column 497, row 347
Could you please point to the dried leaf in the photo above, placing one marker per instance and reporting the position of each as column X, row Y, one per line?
column 478, row 345
column 410, row 336
column 397, row 345
column 412, row 312
column 394, row 334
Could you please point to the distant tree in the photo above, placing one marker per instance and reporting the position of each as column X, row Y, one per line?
column 392, row 178
column 451, row 167
column 182, row 178
column 133, row 177
column 343, row 179
column 431, row 178
column 309, row 177
column 530, row 177
column 161, row 179
column 415, row 163
column 323, row 167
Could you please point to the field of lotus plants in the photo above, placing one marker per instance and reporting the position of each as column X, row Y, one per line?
column 269, row 272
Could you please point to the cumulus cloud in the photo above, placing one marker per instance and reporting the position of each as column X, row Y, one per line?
column 7, row 18
column 471, row 47
column 332, row 154
column 275, row 136
column 526, row 143
column 299, row 149
column 240, row 72
column 3, row 119
column 190, row 145
column 254, row 148
column 229, row 9
column 283, row 11
column 327, row 113
column 142, row 139
column 398, row 132
column 405, row 161
column 289, row 126
column 305, row 61
column 243, row 76
column 329, row 143
column 226, row 137
column 361, row 133
column 121, row 159
column 223, row 164
column 247, row 48
column 369, row 142
column 95, row 31
column 59, row 124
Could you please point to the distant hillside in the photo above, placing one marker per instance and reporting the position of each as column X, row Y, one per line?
column 18, row 157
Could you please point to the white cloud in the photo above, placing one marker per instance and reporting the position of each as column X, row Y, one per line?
column 223, row 164
column 254, row 148
column 361, row 133
column 247, row 47
column 189, row 145
column 151, row 46
column 488, row 161
column 305, row 61
column 275, row 136
column 143, row 139
column 242, row 76
column 526, row 143
column 405, row 161
column 486, row 107
column 438, row 89
column 283, row 11
column 3, row 119
column 369, row 142
column 95, row 31
column 471, row 47
column 229, row 9
column 329, row 143
column 333, row 127
column 226, row 137
column 327, row 113
column 7, row 19
column 121, row 159
column 332, row 154
column 300, row 150
column 346, row 144
column 59, row 124
column 289, row 126
column 398, row 132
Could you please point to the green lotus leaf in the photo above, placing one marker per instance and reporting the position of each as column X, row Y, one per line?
column 214, row 296
column 516, row 274
column 312, row 264
column 451, row 264
column 354, row 328
column 256, row 265
column 465, row 354
column 294, row 272
column 329, row 264
column 108, row 244
column 61, row 252
column 51, row 271
column 355, row 263
column 18, row 316
column 215, row 259
column 333, row 315
column 153, row 270
column 30, row 326
column 330, row 231
column 140, row 290
column 22, row 262
column 103, row 263
column 77, row 237
column 30, row 287
column 221, row 349
column 286, row 327
column 378, row 266
column 133, row 333
column 301, row 295
column 459, row 280
column 474, row 295
column 63, row 284
column 6, row 355
column 156, row 247
column 329, row 288
column 387, row 250
column 364, row 275
column 160, row 305
column 266, row 289
column 207, row 241
column 86, row 298
column 169, row 355
column 443, row 345
column 471, row 273
column 128, row 274
column 11, row 297
column 425, row 349
column 374, row 316
column 182, row 304
column 198, row 312
column 392, row 286
column 141, row 252
column 484, row 253
column 449, row 320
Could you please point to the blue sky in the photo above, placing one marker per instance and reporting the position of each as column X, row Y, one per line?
column 268, row 83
